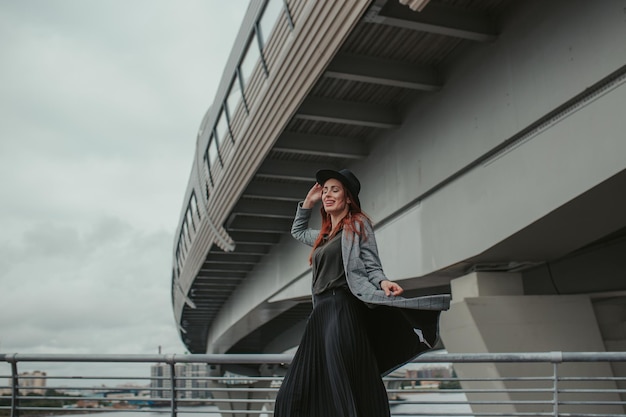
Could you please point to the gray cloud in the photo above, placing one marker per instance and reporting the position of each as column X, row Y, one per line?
column 71, row 288
column 101, row 102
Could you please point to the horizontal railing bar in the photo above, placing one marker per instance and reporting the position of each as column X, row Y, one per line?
column 592, row 378
column 592, row 402
column 108, row 399
column 521, row 378
column 145, row 388
column 481, row 402
column 589, row 415
column 237, row 378
column 477, row 390
column 276, row 378
column 549, row 357
column 160, row 401
column 105, row 390
column 91, row 410
column 251, row 389
column 211, row 401
column 132, row 378
column 196, row 358
column 432, row 414
column 502, row 402
column 494, row 414
column 238, row 400
column 591, row 391
column 166, row 389
column 43, row 397
column 230, row 412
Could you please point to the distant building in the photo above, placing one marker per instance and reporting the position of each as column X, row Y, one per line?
column 430, row 372
column 191, row 381
column 429, row 376
column 32, row 383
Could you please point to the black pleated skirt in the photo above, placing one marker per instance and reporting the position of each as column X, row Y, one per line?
column 345, row 349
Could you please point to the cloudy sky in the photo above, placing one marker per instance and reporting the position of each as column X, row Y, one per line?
column 100, row 103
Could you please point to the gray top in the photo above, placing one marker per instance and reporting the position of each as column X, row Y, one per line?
column 362, row 266
column 327, row 266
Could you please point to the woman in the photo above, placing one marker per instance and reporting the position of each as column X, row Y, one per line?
column 360, row 327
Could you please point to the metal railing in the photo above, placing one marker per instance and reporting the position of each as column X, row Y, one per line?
column 584, row 384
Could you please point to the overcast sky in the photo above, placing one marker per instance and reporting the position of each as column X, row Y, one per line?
column 100, row 103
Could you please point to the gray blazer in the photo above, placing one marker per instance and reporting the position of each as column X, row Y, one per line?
column 364, row 271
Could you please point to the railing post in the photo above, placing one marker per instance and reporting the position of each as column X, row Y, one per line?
column 173, row 403
column 555, row 395
column 15, row 392
column 557, row 357
column 555, row 392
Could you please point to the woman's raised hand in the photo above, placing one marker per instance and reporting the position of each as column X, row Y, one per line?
column 313, row 196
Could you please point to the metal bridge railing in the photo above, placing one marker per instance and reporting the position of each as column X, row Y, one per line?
column 585, row 384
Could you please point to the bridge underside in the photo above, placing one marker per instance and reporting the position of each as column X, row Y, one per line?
column 556, row 255
column 487, row 135
column 391, row 58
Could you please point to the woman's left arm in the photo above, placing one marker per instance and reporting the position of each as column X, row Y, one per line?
column 372, row 263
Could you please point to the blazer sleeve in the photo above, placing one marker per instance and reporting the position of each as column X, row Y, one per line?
column 369, row 255
column 300, row 228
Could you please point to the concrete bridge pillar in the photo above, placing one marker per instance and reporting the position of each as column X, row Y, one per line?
column 490, row 313
column 248, row 397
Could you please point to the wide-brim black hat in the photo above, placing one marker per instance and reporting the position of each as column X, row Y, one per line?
column 347, row 178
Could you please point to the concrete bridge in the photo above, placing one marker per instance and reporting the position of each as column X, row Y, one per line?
column 489, row 136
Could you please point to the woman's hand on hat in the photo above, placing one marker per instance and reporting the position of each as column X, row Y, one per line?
column 313, row 196
column 391, row 288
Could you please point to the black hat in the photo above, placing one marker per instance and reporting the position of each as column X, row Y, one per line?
column 347, row 178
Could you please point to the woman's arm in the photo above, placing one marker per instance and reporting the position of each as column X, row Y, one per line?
column 300, row 227
column 372, row 263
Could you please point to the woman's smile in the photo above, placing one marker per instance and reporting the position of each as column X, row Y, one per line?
column 334, row 196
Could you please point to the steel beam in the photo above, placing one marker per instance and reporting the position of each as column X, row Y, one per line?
column 265, row 208
column 439, row 19
column 266, row 225
column 329, row 146
column 255, row 238
column 288, row 170
column 293, row 192
column 348, row 112
column 383, row 72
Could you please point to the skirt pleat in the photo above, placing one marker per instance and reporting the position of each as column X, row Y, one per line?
column 334, row 372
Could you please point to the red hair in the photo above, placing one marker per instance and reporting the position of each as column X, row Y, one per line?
column 348, row 223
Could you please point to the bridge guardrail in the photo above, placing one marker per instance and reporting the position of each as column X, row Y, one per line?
column 568, row 384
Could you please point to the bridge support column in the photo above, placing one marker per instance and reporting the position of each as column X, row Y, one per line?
column 243, row 397
column 490, row 313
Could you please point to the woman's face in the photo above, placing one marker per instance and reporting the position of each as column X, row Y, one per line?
column 334, row 197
